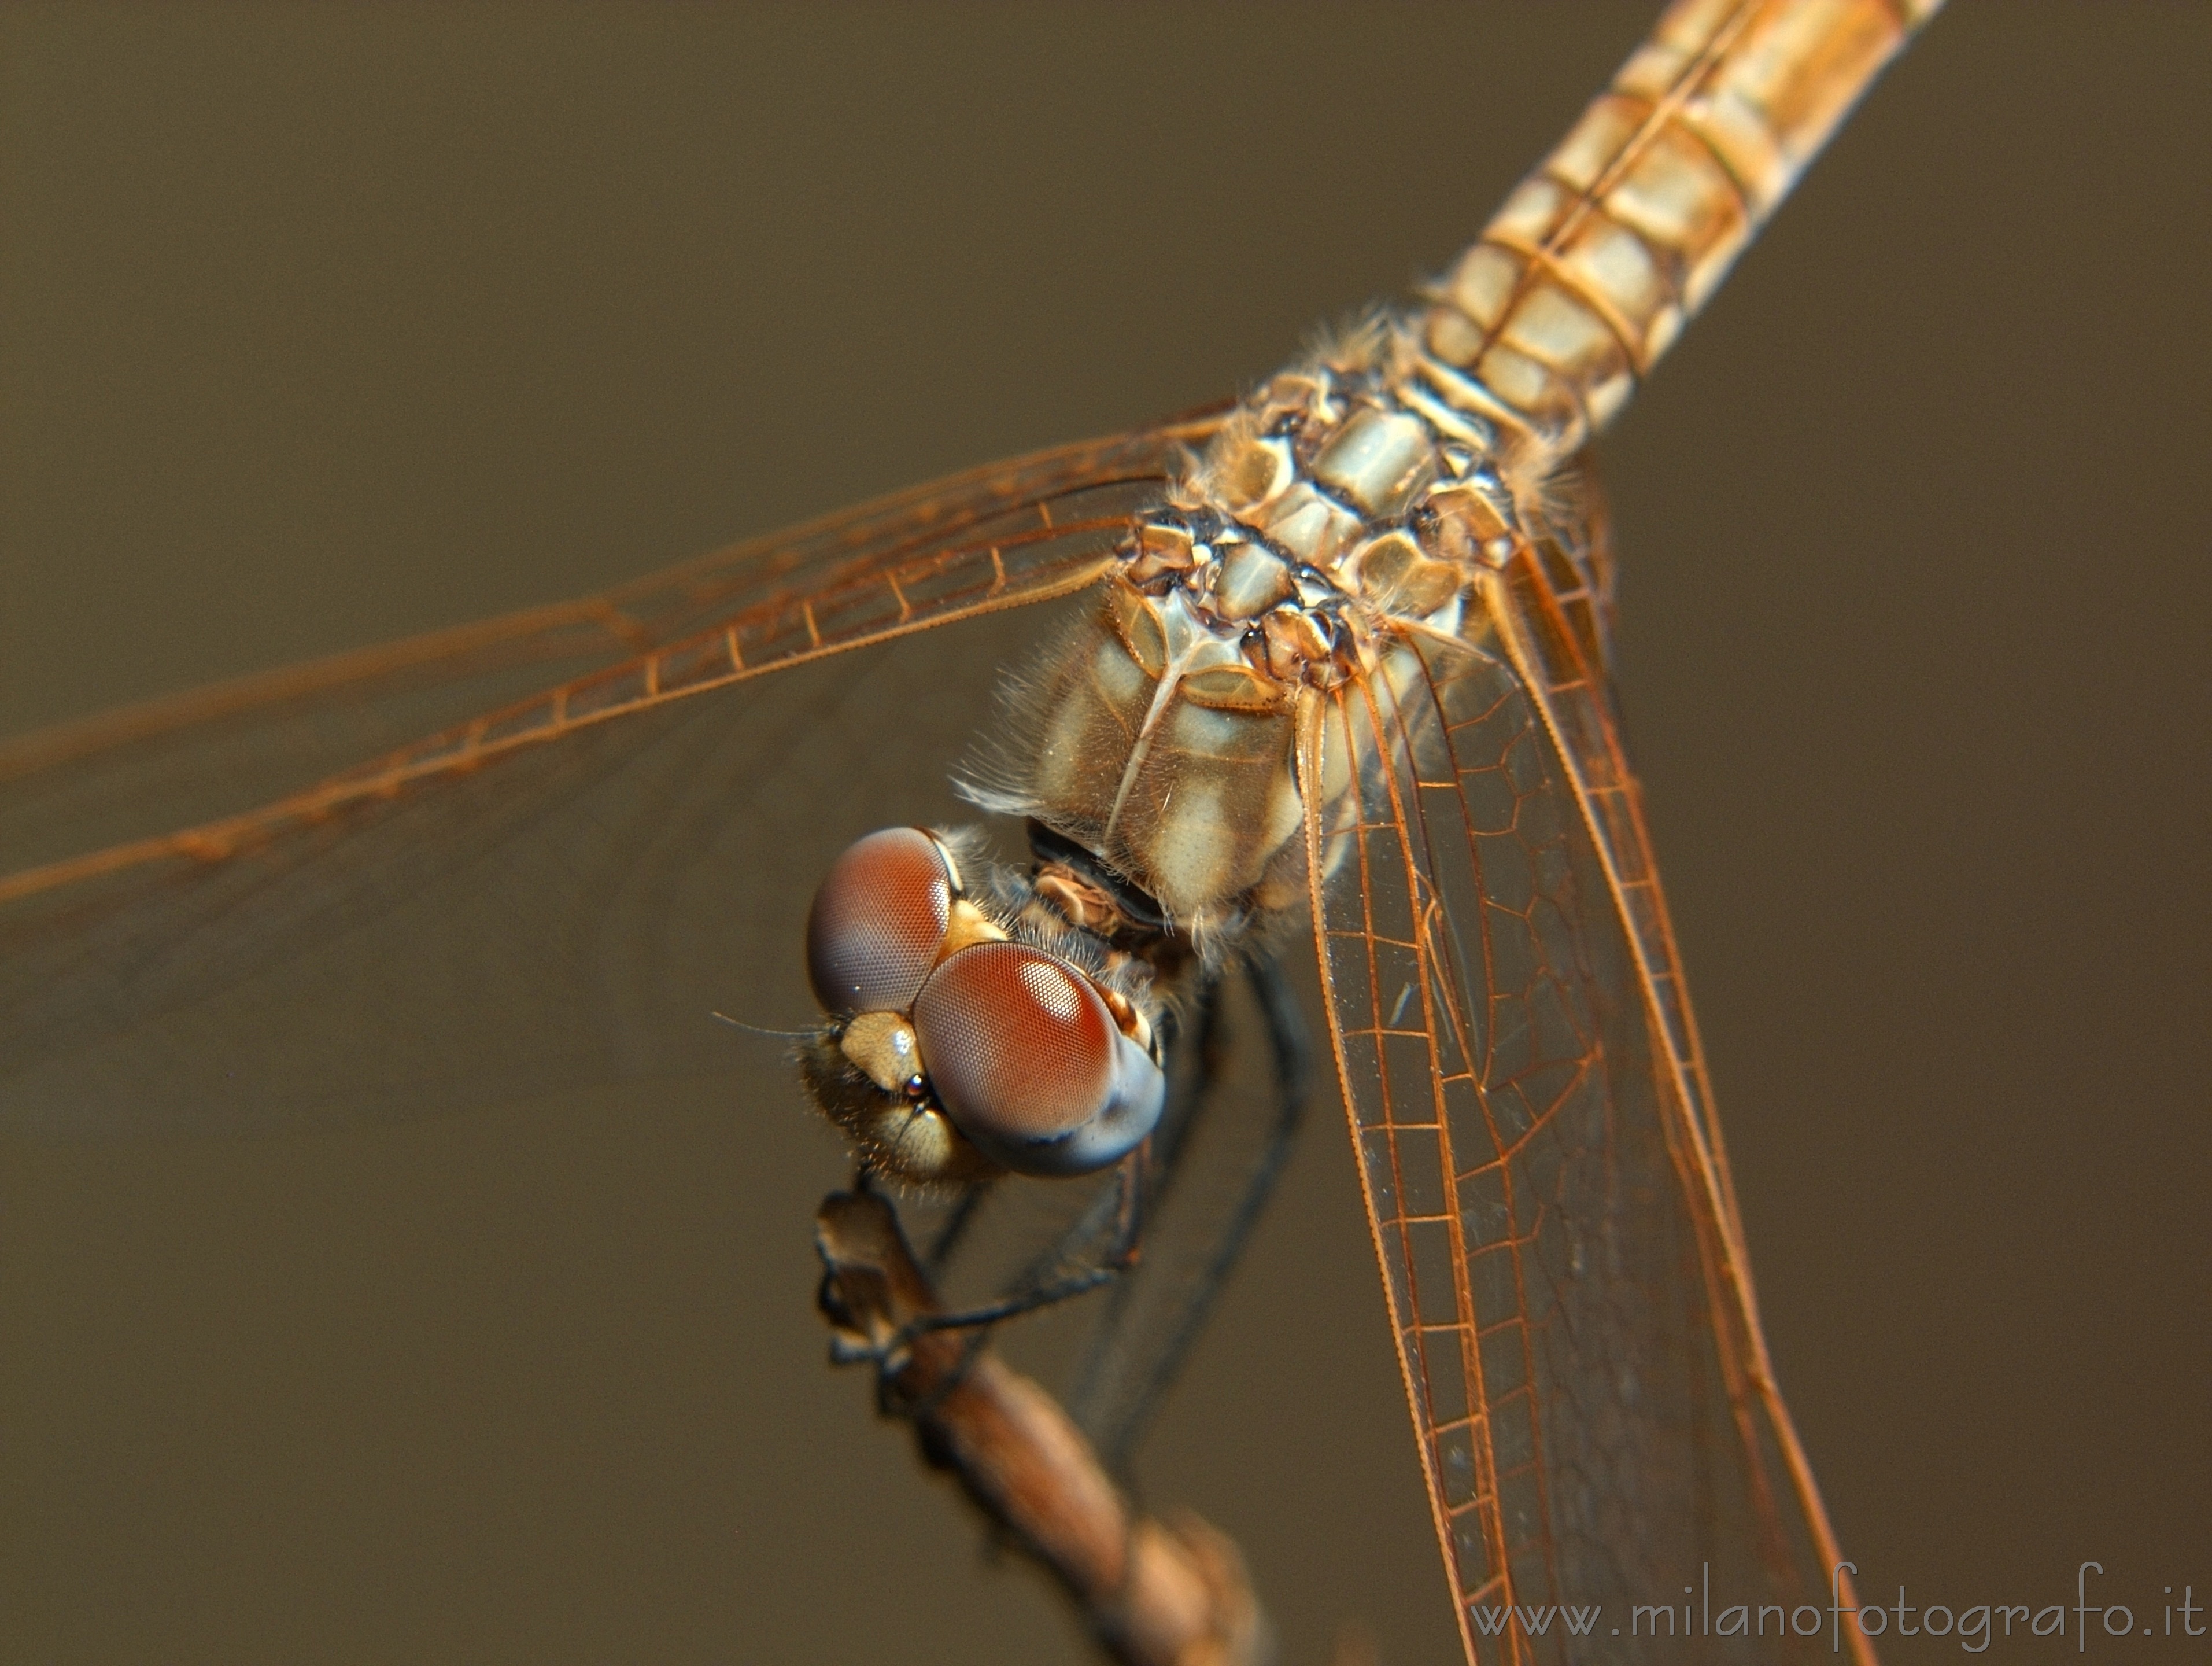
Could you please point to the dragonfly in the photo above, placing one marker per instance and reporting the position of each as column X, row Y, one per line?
column 399, row 802
column 1367, row 445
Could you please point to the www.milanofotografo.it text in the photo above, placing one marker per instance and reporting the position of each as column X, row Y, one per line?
column 1975, row 1626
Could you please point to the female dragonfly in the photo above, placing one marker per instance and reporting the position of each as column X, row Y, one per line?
column 664, row 685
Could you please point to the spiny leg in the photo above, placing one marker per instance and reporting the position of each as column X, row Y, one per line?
column 1121, row 1253
column 1292, row 1062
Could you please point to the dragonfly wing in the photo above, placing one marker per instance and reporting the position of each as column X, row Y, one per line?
column 524, row 899
column 194, row 773
column 1565, row 1274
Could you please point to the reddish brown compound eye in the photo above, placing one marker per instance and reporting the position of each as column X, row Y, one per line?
column 877, row 922
column 1028, row 1063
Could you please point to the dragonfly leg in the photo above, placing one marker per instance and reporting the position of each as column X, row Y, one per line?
column 1120, row 1255
column 1292, row 1064
column 947, row 1240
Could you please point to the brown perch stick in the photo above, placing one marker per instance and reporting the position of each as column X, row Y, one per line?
column 1155, row 1593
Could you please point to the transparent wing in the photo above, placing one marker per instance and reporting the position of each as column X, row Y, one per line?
column 556, row 892
column 1564, row 1272
column 244, row 760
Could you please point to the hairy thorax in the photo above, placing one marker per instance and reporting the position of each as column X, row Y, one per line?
column 1338, row 514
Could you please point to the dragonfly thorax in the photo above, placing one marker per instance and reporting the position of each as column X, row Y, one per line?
column 1329, row 517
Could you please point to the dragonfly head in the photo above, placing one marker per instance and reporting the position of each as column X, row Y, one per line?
column 956, row 1048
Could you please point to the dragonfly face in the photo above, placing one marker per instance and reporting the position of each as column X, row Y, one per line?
column 954, row 1051
column 1645, row 488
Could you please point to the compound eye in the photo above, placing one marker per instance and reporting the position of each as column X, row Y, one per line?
column 877, row 922
column 1029, row 1064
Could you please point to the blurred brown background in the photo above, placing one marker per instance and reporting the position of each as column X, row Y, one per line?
column 317, row 328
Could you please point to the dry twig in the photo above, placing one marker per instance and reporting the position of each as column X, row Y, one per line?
column 1155, row 1593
